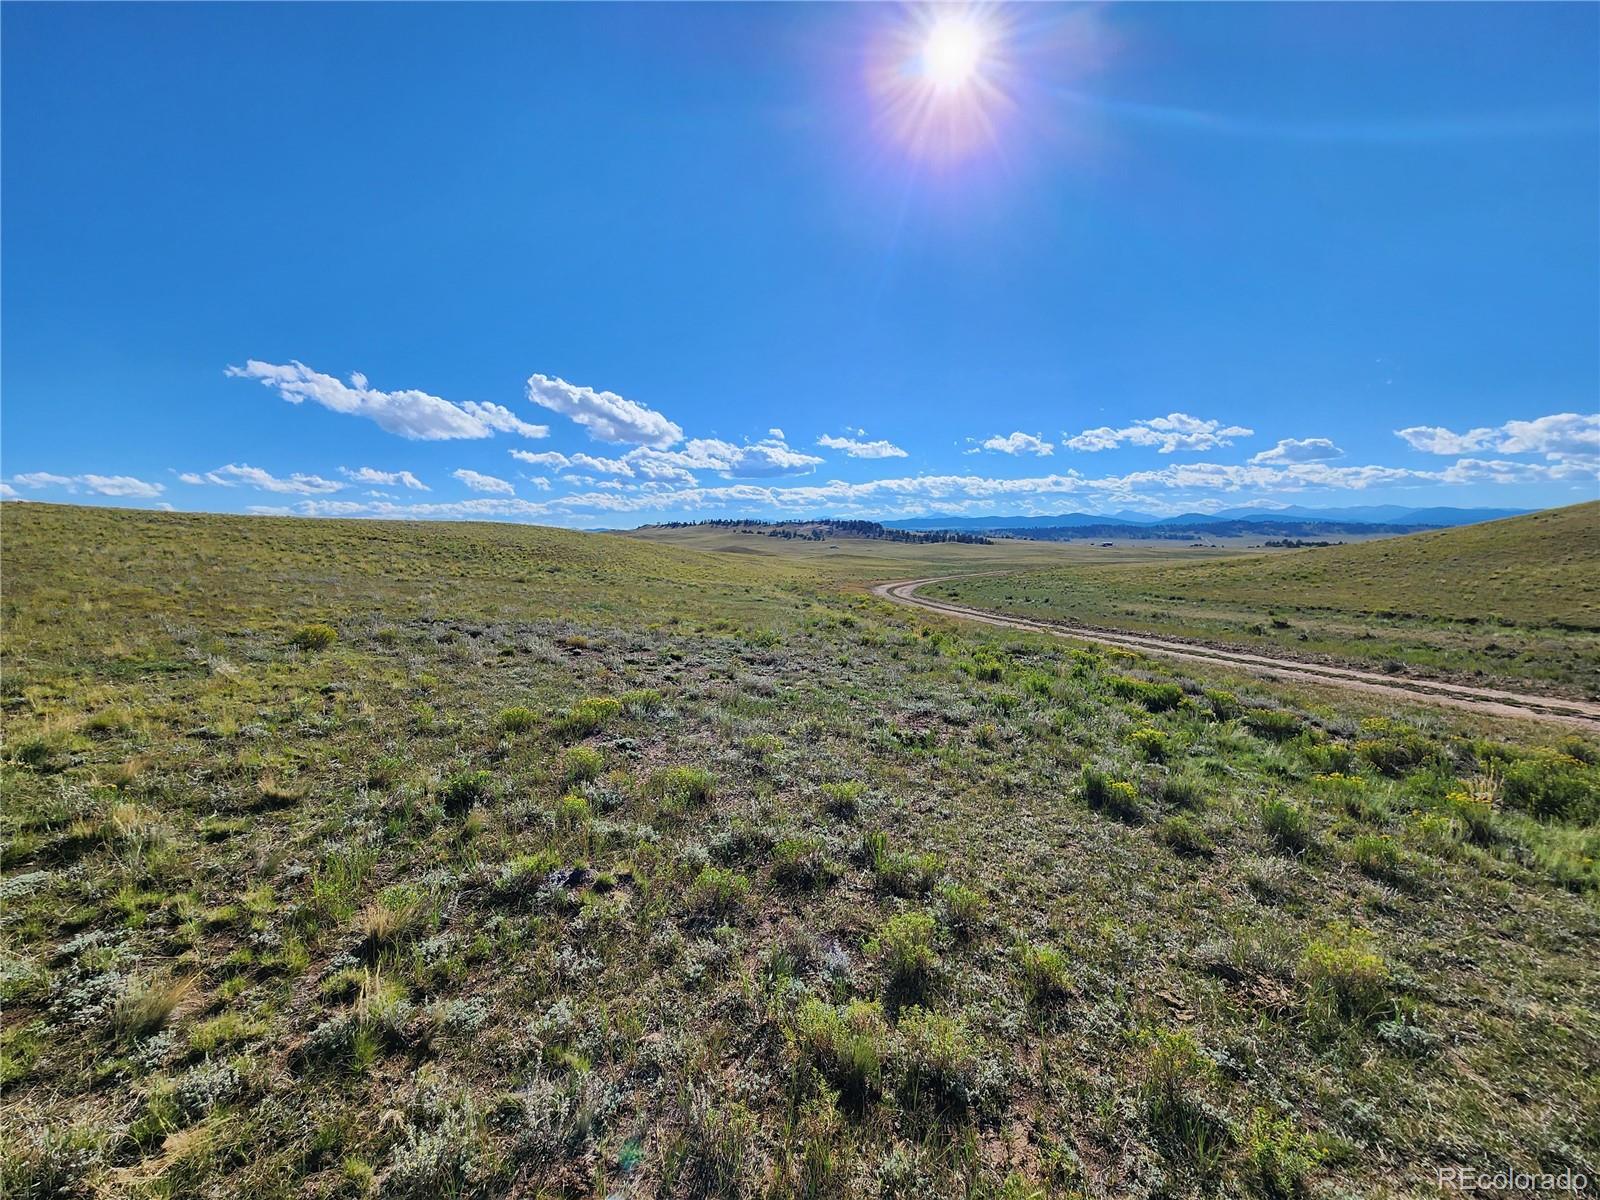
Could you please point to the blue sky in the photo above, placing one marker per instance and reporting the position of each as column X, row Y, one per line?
column 600, row 265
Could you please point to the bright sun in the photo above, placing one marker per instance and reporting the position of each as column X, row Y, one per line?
column 952, row 52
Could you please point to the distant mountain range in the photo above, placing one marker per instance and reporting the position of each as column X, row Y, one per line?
column 1394, row 518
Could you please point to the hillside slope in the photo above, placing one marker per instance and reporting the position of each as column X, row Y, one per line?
column 1516, row 600
column 348, row 859
column 1534, row 569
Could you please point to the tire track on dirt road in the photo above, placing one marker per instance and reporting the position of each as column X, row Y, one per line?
column 1583, row 714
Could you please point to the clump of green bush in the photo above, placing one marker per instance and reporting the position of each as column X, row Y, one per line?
column 903, row 947
column 1045, row 975
column 517, row 719
column 681, row 787
column 313, row 637
column 1151, row 743
column 1184, row 835
column 463, row 789
column 1116, row 797
column 586, row 716
column 798, row 863
column 1273, row 723
column 1345, row 976
column 849, row 1047
column 1286, row 823
column 843, row 798
column 1156, row 697
column 718, row 892
column 581, row 764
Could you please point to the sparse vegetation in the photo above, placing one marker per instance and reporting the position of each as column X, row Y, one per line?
column 618, row 868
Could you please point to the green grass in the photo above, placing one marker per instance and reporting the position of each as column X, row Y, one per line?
column 1514, row 602
column 580, row 864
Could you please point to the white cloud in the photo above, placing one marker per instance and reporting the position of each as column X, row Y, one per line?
column 484, row 483
column 606, row 415
column 1560, row 437
column 8, row 492
column 121, row 485
column 776, row 432
column 543, row 458
column 410, row 413
column 1016, row 443
column 103, row 485
column 602, row 466
column 1175, row 431
column 1300, row 450
column 236, row 473
column 384, row 478
column 856, row 448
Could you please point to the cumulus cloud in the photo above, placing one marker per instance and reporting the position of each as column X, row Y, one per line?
column 103, row 485
column 1573, row 437
column 409, row 413
column 234, row 474
column 7, row 492
column 1175, row 431
column 855, row 448
column 1300, row 450
column 543, row 458
column 1016, row 443
column 371, row 475
column 479, row 482
column 606, row 415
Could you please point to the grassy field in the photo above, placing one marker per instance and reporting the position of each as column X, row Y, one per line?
column 1512, row 602
column 349, row 859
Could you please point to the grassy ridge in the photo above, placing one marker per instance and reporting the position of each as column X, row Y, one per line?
column 1514, row 601
column 346, row 859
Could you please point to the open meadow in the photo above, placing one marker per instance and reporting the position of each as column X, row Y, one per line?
column 350, row 858
column 1511, row 602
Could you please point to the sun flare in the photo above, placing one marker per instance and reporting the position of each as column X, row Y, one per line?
column 952, row 53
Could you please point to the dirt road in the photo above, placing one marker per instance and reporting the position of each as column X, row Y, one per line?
column 1583, row 714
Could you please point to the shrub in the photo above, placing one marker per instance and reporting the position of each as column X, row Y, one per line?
column 1376, row 855
column 938, row 1062
column 517, row 719
column 901, row 873
column 1151, row 743
column 1392, row 748
column 1045, row 978
column 1174, row 1078
column 1273, row 723
column 464, row 789
column 798, row 862
column 844, row 798
column 963, row 909
column 581, row 764
column 1276, row 1158
column 1344, row 976
column 1285, row 823
column 1476, row 814
column 1183, row 835
column 1114, row 796
column 586, row 716
column 718, row 892
column 680, row 787
column 571, row 813
column 1224, row 705
column 1552, row 786
column 1156, row 697
column 314, row 637
column 1180, row 791
column 848, row 1047
column 642, row 702
column 904, row 948
column 146, row 1006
